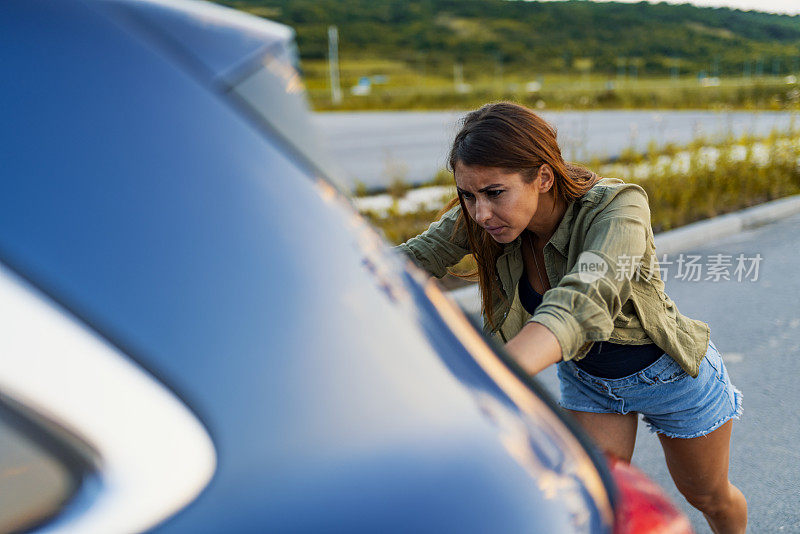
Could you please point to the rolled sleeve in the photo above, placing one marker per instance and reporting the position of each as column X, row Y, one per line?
column 582, row 307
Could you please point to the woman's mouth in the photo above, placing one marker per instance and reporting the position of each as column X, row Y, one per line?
column 494, row 230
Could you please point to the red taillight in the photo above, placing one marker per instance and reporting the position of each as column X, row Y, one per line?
column 642, row 507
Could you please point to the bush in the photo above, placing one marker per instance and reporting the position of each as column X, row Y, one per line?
column 768, row 171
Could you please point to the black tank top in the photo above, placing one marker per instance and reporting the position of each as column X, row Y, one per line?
column 605, row 359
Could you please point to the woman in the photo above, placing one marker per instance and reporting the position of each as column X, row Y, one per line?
column 567, row 273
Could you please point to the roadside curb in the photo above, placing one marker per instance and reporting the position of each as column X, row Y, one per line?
column 702, row 232
column 683, row 238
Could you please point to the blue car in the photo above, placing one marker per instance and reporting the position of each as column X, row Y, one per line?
column 200, row 334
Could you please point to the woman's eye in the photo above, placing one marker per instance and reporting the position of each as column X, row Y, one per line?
column 494, row 193
column 467, row 196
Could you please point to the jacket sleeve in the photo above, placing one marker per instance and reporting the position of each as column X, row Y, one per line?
column 581, row 309
column 438, row 247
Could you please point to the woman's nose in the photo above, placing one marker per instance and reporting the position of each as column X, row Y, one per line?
column 483, row 211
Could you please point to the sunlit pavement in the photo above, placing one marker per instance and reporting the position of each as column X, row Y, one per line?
column 376, row 147
column 756, row 326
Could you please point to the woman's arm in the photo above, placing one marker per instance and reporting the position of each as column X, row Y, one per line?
column 440, row 246
column 534, row 348
column 582, row 307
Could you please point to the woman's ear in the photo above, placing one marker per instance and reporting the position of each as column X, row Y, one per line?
column 546, row 177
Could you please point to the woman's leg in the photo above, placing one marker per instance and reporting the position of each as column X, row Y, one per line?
column 612, row 432
column 699, row 467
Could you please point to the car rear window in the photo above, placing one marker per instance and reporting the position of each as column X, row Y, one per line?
column 38, row 474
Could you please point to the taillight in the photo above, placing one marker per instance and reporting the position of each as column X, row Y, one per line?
column 642, row 507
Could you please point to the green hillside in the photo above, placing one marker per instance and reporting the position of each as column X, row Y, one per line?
column 548, row 37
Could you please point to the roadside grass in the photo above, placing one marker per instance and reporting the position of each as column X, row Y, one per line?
column 702, row 181
column 404, row 86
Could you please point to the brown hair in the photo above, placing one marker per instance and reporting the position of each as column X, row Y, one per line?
column 512, row 137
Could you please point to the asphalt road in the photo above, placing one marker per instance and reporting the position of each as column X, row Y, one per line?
column 375, row 147
column 756, row 326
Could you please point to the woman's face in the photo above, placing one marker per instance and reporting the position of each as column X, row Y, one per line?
column 497, row 199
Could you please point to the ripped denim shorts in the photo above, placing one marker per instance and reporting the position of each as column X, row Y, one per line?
column 670, row 400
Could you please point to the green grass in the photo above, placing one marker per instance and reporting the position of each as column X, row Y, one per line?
column 678, row 198
column 409, row 87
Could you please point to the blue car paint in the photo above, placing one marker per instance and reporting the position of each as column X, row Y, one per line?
column 147, row 203
column 219, row 51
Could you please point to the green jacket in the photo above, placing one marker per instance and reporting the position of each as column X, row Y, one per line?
column 623, row 302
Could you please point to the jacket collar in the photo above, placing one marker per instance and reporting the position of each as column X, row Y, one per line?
column 560, row 239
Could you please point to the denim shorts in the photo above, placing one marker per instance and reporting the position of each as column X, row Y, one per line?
column 670, row 400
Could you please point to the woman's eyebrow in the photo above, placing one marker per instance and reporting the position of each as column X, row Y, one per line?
column 483, row 190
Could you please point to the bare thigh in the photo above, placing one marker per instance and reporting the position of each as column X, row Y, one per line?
column 612, row 432
column 699, row 466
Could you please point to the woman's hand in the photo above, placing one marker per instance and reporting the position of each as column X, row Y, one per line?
column 534, row 348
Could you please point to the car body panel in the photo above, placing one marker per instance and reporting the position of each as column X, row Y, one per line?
column 221, row 44
column 154, row 209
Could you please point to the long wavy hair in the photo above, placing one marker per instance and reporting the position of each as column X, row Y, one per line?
column 514, row 138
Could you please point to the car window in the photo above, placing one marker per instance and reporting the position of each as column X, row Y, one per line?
column 275, row 95
column 37, row 476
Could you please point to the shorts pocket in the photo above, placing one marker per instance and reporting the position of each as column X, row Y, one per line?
column 584, row 377
column 714, row 359
column 672, row 373
column 663, row 371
